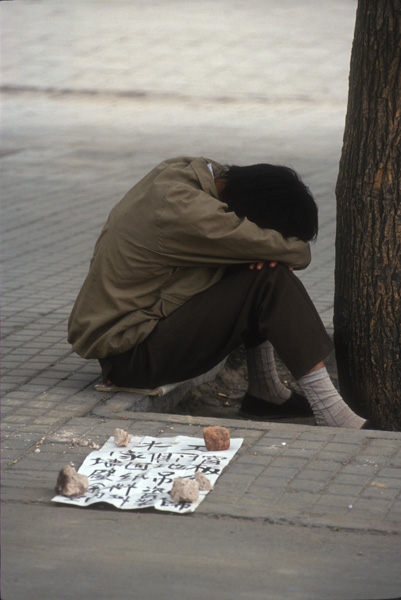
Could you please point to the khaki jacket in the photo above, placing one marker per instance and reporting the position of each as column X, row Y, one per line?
column 168, row 239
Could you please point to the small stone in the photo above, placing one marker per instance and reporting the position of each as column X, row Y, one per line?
column 79, row 442
column 70, row 483
column 121, row 437
column 216, row 438
column 184, row 490
column 204, row 482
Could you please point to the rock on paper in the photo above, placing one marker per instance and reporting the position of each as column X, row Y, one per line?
column 141, row 475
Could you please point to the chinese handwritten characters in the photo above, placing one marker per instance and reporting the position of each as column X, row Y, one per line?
column 141, row 475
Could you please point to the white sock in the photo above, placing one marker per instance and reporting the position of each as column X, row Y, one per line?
column 326, row 403
column 263, row 379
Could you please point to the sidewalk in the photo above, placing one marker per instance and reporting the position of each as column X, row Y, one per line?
column 301, row 512
column 94, row 95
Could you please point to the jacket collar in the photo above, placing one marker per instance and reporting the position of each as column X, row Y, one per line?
column 206, row 179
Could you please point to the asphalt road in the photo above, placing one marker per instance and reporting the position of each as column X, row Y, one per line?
column 99, row 554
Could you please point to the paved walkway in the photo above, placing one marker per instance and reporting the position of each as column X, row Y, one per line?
column 95, row 94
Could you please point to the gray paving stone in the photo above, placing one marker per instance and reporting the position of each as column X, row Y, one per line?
column 289, row 462
column 378, row 506
column 35, row 389
column 262, row 449
column 253, row 459
column 288, row 472
column 390, row 472
column 345, row 479
column 314, row 475
column 390, row 482
column 306, row 485
column 20, row 419
column 393, row 516
column 374, row 492
column 262, row 494
column 41, row 404
column 322, row 509
column 340, row 489
column 299, row 500
column 367, row 470
column 27, row 412
column 250, row 469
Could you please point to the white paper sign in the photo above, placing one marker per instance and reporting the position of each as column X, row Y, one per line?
column 141, row 475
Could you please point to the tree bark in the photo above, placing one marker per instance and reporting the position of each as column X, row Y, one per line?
column 367, row 304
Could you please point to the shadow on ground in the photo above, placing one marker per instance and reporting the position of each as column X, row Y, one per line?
column 222, row 397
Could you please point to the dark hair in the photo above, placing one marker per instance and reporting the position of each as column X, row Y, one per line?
column 273, row 197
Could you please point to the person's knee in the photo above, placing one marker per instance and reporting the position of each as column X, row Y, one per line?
column 279, row 272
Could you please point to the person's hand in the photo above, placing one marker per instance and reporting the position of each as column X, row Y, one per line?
column 259, row 265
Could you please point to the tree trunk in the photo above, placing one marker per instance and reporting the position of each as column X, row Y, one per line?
column 367, row 304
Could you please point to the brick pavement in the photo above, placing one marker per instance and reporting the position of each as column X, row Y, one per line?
column 284, row 473
column 89, row 105
column 93, row 95
column 77, row 132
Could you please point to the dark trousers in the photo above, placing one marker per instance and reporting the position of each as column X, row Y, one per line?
column 246, row 306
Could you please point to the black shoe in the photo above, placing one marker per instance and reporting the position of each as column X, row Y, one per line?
column 370, row 425
column 255, row 408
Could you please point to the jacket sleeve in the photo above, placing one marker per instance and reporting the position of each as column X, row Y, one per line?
column 197, row 229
